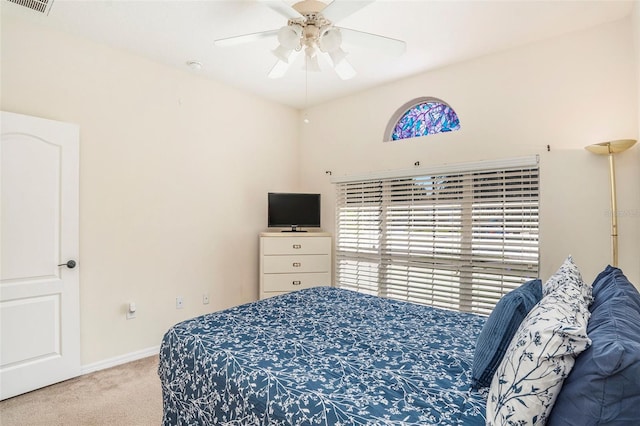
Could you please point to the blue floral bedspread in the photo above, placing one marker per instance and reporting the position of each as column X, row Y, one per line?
column 322, row 356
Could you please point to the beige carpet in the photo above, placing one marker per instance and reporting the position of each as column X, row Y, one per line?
column 128, row 394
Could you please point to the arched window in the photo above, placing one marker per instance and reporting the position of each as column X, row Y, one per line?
column 421, row 117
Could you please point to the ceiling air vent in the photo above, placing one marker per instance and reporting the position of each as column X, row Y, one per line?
column 42, row 6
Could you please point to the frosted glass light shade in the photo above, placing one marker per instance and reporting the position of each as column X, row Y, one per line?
column 289, row 36
column 330, row 40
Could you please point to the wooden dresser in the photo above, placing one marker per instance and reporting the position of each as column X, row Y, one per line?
column 292, row 261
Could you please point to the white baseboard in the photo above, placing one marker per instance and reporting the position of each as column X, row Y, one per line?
column 118, row 360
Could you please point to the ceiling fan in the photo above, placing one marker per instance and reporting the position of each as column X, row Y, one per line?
column 310, row 30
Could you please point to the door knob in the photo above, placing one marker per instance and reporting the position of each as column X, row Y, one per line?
column 70, row 264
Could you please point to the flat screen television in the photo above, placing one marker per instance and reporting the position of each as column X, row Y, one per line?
column 293, row 210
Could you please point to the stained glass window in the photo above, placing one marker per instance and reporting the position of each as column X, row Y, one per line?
column 425, row 118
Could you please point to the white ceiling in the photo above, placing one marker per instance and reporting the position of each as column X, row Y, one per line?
column 437, row 33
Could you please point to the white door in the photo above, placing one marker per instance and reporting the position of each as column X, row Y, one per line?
column 39, row 300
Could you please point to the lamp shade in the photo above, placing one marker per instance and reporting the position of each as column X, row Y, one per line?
column 289, row 36
column 330, row 40
column 611, row 147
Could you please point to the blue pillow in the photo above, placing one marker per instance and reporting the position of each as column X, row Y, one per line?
column 610, row 283
column 604, row 386
column 500, row 328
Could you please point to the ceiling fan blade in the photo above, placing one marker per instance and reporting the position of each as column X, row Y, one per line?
column 281, row 67
column 340, row 9
column 245, row 38
column 344, row 69
column 390, row 46
column 282, row 8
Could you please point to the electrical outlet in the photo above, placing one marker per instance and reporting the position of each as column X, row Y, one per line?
column 205, row 299
column 179, row 302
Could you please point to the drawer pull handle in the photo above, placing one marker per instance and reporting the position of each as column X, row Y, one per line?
column 297, row 264
column 297, row 246
column 297, row 282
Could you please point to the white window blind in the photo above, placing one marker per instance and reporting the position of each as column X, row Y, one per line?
column 457, row 240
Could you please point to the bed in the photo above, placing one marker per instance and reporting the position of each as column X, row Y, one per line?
column 559, row 353
column 323, row 356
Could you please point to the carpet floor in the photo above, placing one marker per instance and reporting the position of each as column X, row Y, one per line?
column 128, row 394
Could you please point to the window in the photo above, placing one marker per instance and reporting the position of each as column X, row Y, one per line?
column 421, row 117
column 457, row 237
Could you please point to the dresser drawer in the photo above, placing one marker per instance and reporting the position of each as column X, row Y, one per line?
column 296, row 264
column 296, row 245
column 292, row 282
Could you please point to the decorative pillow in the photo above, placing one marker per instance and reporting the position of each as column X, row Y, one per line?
column 499, row 329
column 539, row 358
column 611, row 283
column 567, row 276
column 604, row 385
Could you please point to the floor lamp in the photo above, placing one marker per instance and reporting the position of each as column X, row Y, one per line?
column 610, row 148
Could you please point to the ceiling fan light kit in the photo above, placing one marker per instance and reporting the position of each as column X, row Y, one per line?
column 310, row 29
column 310, row 33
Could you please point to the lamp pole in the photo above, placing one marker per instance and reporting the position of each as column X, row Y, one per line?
column 610, row 148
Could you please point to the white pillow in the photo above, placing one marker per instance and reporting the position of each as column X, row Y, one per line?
column 540, row 356
column 566, row 277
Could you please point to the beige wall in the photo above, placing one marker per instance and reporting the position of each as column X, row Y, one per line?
column 635, row 23
column 174, row 172
column 568, row 92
